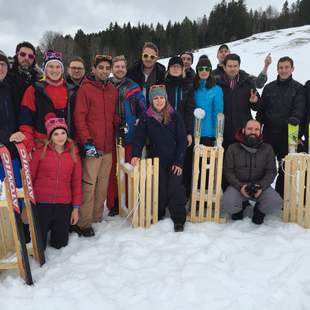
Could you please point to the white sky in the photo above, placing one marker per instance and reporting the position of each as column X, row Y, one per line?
column 28, row 20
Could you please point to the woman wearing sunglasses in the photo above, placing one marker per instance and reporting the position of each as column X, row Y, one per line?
column 209, row 97
column 43, row 99
column 165, row 130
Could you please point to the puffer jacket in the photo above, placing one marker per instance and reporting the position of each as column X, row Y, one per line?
column 57, row 178
column 243, row 164
column 94, row 113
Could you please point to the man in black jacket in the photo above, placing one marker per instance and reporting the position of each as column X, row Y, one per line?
column 283, row 102
column 250, row 169
column 188, row 59
column 240, row 97
column 147, row 71
column 23, row 73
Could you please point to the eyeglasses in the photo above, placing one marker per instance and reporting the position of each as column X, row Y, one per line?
column 204, row 68
column 148, row 56
column 161, row 86
column 23, row 54
column 57, row 120
column 52, row 54
column 76, row 68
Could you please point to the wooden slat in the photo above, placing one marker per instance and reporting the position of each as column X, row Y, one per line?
column 155, row 190
column 149, row 177
column 135, row 196
column 301, row 187
column 121, row 184
column 141, row 210
column 211, row 184
column 195, row 178
column 218, row 186
column 307, row 205
column 203, row 173
column 293, row 210
column 287, row 188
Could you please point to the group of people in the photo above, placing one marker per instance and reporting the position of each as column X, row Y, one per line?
column 70, row 121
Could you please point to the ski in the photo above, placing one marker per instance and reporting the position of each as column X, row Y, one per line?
column 293, row 138
column 30, row 202
column 21, row 249
column 220, row 119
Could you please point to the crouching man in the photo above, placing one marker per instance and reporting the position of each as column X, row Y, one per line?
column 250, row 169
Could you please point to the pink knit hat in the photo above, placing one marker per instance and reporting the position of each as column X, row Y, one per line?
column 55, row 123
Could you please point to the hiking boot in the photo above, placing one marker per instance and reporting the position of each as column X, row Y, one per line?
column 258, row 216
column 237, row 216
column 76, row 229
column 178, row 227
column 114, row 211
column 88, row 232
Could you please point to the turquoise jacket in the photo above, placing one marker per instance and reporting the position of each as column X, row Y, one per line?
column 211, row 101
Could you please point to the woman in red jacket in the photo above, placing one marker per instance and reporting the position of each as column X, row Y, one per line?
column 57, row 177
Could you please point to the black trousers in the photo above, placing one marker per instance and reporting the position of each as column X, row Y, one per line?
column 171, row 195
column 279, row 142
column 55, row 218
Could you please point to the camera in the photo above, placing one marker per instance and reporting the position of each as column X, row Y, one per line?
column 252, row 189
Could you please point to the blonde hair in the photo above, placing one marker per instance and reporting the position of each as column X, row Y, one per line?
column 119, row 58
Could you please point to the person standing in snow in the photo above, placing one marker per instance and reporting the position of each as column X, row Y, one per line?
column 94, row 117
column 57, row 179
column 147, row 71
column 259, row 81
column 164, row 127
column 130, row 107
column 209, row 97
column 188, row 59
column 250, row 169
column 283, row 103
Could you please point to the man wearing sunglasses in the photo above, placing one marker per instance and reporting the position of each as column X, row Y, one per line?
column 224, row 50
column 147, row 71
column 23, row 73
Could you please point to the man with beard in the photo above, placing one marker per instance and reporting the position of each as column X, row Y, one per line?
column 283, row 103
column 23, row 73
column 250, row 169
column 188, row 59
column 147, row 71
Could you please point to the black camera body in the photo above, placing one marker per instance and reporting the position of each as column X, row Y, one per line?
column 252, row 189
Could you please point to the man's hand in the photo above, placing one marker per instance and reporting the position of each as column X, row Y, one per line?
column 243, row 191
column 17, row 137
column 253, row 97
column 176, row 170
column 74, row 216
column 268, row 60
column 134, row 160
column 258, row 193
column 189, row 140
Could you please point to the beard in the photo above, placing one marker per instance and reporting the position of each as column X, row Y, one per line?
column 252, row 140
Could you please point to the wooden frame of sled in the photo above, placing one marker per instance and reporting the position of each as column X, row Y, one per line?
column 207, row 172
column 296, row 208
column 142, row 190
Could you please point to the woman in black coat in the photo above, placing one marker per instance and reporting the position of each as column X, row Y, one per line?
column 165, row 130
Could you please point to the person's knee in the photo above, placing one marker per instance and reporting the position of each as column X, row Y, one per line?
column 231, row 201
column 270, row 202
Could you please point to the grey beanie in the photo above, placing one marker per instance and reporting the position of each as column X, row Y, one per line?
column 157, row 90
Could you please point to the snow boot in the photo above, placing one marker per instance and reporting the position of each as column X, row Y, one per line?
column 88, row 232
column 239, row 215
column 178, row 227
column 258, row 216
column 115, row 210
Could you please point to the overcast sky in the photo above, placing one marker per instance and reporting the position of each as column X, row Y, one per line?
column 22, row 20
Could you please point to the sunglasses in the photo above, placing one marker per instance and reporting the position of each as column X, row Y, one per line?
column 50, row 54
column 204, row 68
column 162, row 86
column 148, row 56
column 103, row 57
column 23, row 54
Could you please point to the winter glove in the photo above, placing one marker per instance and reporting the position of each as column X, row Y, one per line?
column 293, row 121
column 90, row 150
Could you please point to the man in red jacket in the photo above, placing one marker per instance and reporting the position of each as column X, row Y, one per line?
column 93, row 116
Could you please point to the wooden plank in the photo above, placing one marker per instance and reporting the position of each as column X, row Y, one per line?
column 301, row 188
column 293, row 211
column 287, row 188
column 155, row 190
column 135, row 195
column 142, row 194
column 149, row 177
column 121, row 185
column 195, row 178
column 130, row 196
column 307, row 206
column 203, row 173
column 211, row 184
column 218, row 186
column 6, row 266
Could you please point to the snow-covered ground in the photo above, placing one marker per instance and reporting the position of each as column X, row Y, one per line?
column 210, row 266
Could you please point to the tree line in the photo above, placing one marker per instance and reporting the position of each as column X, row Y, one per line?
column 228, row 21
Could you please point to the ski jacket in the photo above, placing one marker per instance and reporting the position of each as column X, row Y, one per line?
column 243, row 164
column 157, row 76
column 56, row 177
column 95, row 112
column 280, row 101
column 39, row 101
column 258, row 81
column 190, row 76
column 237, row 107
column 211, row 101
column 181, row 98
column 130, row 105
column 168, row 142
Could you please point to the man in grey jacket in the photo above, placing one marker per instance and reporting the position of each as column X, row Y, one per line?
column 250, row 169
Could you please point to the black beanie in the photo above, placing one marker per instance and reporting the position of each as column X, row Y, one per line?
column 204, row 62
column 25, row 44
column 189, row 54
column 4, row 58
column 175, row 60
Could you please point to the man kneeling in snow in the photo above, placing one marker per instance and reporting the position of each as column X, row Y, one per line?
column 250, row 169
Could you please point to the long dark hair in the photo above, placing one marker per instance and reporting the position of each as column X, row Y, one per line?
column 210, row 82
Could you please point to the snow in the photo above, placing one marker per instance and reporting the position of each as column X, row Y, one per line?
column 232, row 266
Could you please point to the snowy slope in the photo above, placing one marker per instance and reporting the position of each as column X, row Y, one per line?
column 235, row 266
